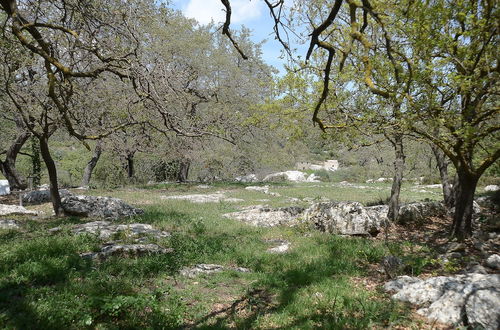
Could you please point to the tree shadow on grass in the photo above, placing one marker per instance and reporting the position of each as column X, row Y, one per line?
column 289, row 284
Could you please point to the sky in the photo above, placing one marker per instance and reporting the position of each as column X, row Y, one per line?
column 252, row 14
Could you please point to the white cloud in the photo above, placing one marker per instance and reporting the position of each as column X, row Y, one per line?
column 206, row 10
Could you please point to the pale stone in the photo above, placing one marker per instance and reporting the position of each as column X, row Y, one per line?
column 9, row 224
column 4, row 187
column 205, row 198
column 99, row 207
column 492, row 187
column 15, row 210
column 209, row 269
column 105, row 229
column 267, row 217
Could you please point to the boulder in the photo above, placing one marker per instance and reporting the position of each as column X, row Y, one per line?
column 492, row 187
column 4, row 187
column 346, row 218
column 99, row 207
column 452, row 299
column 209, row 269
column 9, row 224
column 36, row 197
column 292, row 176
column 205, row 198
column 105, row 229
column 267, row 217
column 313, row 178
column 126, row 250
column 280, row 246
column 14, row 210
column 493, row 261
column 417, row 212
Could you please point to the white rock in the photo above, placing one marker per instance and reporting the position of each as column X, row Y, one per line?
column 209, row 269
column 4, row 187
column 493, row 261
column 9, row 224
column 267, row 217
column 313, row 178
column 492, row 187
column 483, row 309
column 205, row 198
column 15, row 210
column 247, row 178
column 97, row 206
column 105, row 229
column 292, row 176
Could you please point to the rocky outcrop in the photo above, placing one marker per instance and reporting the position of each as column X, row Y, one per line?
column 419, row 211
column 493, row 261
column 292, row 176
column 263, row 189
column 471, row 299
column 36, row 197
column 106, row 229
column 209, row 269
column 346, row 218
column 14, row 210
column 98, row 207
column 8, row 224
column 267, row 217
column 205, row 198
column 247, row 178
column 492, row 187
column 126, row 250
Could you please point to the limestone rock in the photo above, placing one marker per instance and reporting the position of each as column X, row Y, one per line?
column 9, row 224
column 346, row 218
column 281, row 246
column 446, row 298
column 267, row 217
column 105, row 229
column 4, row 187
column 99, row 207
column 493, row 261
column 209, row 269
column 292, row 176
column 14, row 210
column 492, row 187
column 417, row 212
column 205, row 198
column 126, row 250
column 247, row 178
column 36, row 197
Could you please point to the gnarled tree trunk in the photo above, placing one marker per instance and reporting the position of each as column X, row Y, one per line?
column 448, row 191
column 52, row 170
column 87, row 173
column 130, row 166
column 399, row 165
column 8, row 167
column 183, row 173
column 464, row 199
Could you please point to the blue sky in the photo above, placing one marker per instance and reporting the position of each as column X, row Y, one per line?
column 253, row 14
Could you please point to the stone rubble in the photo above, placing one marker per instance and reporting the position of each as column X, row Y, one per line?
column 267, row 217
column 98, row 207
column 209, row 269
column 452, row 299
column 126, row 250
column 106, row 229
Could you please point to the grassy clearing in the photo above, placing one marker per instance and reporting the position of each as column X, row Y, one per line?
column 45, row 284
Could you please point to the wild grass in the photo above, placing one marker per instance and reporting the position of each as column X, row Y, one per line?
column 45, row 284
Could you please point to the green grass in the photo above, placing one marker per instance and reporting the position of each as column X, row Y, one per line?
column 44, row 284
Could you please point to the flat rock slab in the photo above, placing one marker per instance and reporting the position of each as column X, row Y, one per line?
column 279, row 246
column 9, row 224
column 205, row 198
column 264, row 189
column 106, row 229
column 209, row 269
column 267, row 217
column 99, row 207
column 36, row 197
column 126, row 250
column 452, row 299
column 14, row 210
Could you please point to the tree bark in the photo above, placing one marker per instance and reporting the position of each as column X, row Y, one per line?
column 8, row 167
column 464, row 199
column 448, row 191
column 52, row 170
column 130, row 165
column 399, row 165
column 87, row 173
column 183, row 173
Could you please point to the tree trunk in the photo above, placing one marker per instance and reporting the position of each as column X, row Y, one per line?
column 464, row 199
column 8, row 167
column 52, row 170
column 130, row 166
column 87, row 173
column 183, row 173
column 448, row 191
column 399, row 165
column 36, row 170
